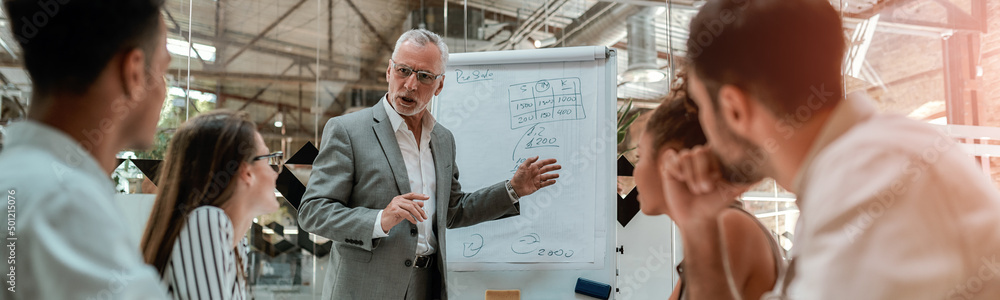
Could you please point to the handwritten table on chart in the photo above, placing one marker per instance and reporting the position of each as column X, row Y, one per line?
column 548, row 118
column 547, row 100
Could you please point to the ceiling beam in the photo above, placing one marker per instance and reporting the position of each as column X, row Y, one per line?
column 979, row 10
column 877, row 8
column 537, row 18
column 220, row 29
column 329, row 30
column 186, row 38
column 377, row 83
column 659, row 54
column 958, row 20
column 925, row 75
column 368, row 24
column 276, row 52
column 293, row 135
column 958, row 16
column 262, row 33
column 501, row 15
column 262, row 102
column 683, row 5
column 299, row 122
column 264, row 89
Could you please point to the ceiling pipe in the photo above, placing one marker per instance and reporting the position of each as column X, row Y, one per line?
column 538, row 18
column 642, row 54
column 601, row 25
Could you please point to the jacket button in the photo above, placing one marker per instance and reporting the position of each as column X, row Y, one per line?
column 413, row 231
column 408, row 263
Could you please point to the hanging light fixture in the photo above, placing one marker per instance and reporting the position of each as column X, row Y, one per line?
column 642, row 65
column 279, row 119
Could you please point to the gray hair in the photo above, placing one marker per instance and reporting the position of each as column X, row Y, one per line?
column 422, row 37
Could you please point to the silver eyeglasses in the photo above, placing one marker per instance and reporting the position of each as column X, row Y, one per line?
column 404, row 71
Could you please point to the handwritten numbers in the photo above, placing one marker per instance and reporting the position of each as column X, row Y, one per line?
column 557, row 253
column 531, row 243
column 545, row 101
column 531, row 131
column 541, row 142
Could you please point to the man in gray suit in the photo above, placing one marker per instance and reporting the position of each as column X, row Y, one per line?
column 392, row 162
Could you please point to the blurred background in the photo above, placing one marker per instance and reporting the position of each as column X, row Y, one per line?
column 293, row 64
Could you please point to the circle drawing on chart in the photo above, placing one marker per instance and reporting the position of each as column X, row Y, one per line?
column 473, row 247
column 542, row 86
column 526, row 244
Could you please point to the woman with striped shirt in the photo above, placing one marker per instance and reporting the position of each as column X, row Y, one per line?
column 215, row 179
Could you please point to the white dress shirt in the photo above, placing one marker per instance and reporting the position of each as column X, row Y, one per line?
column 420, row 170
column 72, row 241
column 891, row 209
column 203, row 261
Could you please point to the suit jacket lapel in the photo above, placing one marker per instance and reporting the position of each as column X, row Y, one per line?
column 387, row 138
column 443, row 158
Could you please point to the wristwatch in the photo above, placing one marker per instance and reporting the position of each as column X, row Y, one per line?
column 511, row 192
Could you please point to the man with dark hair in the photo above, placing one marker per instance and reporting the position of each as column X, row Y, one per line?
column 97, row 74
column 890, row 208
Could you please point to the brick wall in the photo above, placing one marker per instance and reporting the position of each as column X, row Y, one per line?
column 912, row 66
column 990, row 82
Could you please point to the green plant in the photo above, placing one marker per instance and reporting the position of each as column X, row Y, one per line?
column 625, row 120
column 159, row 148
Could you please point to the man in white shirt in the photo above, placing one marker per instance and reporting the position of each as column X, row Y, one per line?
column 97, row 74
column 393, row 162
column 890, row 208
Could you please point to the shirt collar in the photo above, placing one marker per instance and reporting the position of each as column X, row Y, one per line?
column 396, row 120
column 37, row 135
column 856, row 108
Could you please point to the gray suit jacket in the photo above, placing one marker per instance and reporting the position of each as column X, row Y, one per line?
column 357, row 173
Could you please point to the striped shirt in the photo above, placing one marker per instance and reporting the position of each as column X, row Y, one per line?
column 203, row 262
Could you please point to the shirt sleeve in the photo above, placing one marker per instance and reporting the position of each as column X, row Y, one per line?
column 846, row 229
column 377, row 231
column 75, row 245
column 205, row 249
column 510, row 192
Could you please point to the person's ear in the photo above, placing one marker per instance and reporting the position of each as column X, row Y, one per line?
column 245, row 173
column 388, row 71
column 133, row 73
column 440, row 86
column 735, row 109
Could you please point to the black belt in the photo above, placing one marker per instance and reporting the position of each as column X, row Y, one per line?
column 423, row 261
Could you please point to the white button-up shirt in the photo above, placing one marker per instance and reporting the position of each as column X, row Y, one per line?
column 70, row 240
column 420, row 170
column 891, row 209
